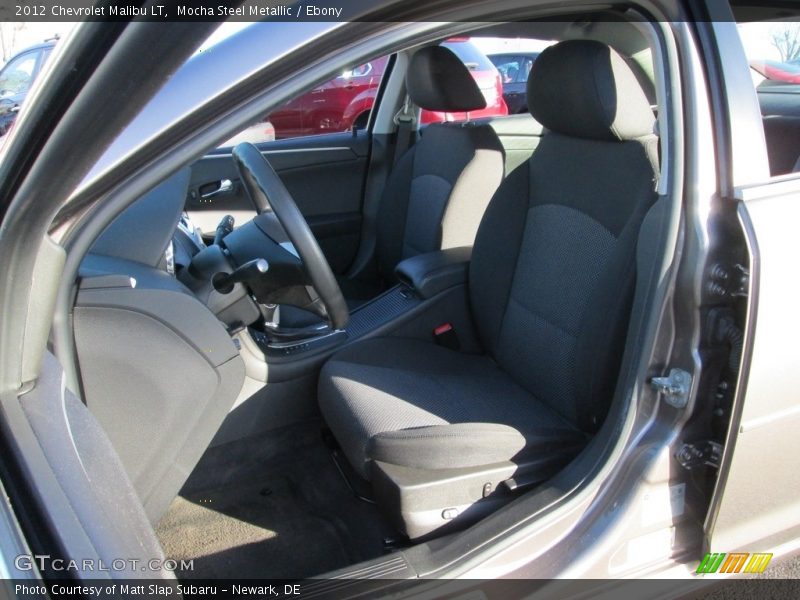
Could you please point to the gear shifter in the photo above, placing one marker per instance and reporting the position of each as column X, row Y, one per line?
column 224, row 282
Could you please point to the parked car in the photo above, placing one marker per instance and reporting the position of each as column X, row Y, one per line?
column 514, row 68
column 263, row 131
column 403, row 369
column 346, row 101
column 8, row 113
column 774, row 70
column 17, row 77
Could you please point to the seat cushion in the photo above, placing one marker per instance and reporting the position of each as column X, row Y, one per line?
column 416, row 404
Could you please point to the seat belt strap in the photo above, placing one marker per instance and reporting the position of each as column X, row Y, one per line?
column 405, row 120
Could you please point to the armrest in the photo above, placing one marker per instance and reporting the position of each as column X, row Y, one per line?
column 431, row 273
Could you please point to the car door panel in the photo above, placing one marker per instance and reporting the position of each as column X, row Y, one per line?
column 324, row 174
column 756, row 505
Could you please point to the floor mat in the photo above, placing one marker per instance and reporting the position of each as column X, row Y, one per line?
column 270, row 506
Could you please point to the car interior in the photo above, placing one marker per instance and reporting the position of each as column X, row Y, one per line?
column 351, row 410
column 321, row 351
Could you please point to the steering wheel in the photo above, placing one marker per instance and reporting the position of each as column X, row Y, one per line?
column 266, row 190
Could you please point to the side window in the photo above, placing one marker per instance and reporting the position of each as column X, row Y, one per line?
column 773, row 52
column 17, row 75
column 336, row 106
column 513, row 59
column 514, row 69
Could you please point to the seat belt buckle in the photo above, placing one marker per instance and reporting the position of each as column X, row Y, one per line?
column 445, row 335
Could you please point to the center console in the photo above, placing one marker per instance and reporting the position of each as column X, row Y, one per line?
column 424, row 280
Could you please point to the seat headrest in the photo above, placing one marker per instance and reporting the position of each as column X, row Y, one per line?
column 437, row 80
column 584, row 88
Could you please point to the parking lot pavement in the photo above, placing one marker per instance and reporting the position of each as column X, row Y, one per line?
column 787, row 568
column 780, row 570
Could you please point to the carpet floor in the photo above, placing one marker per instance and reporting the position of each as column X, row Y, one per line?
column 270, row 506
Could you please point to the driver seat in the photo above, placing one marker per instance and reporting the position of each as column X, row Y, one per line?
column 439, row 189
column 442, row 434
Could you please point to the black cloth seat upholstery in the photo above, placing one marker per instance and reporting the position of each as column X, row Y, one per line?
column 551, row 283
column 439, row 189
column 387, row 386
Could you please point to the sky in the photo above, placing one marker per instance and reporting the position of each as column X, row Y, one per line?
column 755, row 37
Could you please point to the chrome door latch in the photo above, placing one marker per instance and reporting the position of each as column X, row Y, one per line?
column 674, row 387
column 224, row 186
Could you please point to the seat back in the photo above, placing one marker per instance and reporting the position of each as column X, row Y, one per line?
column 552, row 272
column 439, row 189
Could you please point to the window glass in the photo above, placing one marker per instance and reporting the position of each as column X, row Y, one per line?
column 335, row 106
column 513, row 58
column 514, row 69
column 507, row 66
column 773, row 53
column 345, row 102
column 17, row 75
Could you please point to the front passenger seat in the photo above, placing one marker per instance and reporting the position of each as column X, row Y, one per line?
column 439, row 189
column 551, row 280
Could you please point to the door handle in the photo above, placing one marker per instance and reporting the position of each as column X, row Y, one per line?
column 223, row 187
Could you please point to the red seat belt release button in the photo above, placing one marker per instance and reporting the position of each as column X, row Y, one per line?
column 445, row 335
